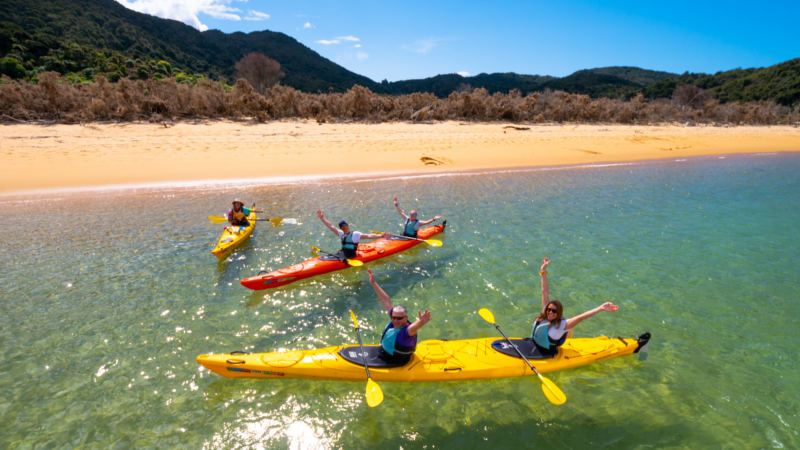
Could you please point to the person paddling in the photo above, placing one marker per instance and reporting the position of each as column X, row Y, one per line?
column 412, row 223
column 399, row 338
column 237, row 216
column 350, row 239
column 550, row 329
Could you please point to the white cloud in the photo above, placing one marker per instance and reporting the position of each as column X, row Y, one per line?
column 307, row 25
column 256, row 15
column 338, row 40
column 463, row 73
column 186, row 11
column 422, row 46
column 362, row 55
column 357, row 46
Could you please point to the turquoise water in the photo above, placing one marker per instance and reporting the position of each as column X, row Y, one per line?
column 107, row 298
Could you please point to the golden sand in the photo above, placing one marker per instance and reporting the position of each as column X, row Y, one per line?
column 69, row 156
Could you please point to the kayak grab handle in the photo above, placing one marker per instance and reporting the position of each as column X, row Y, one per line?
column 237, row 361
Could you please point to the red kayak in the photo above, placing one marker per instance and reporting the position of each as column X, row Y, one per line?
column 367, row 252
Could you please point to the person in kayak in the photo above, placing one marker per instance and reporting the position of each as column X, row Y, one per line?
column 237, row 216
column 412, row 223
column 399, row 338
column 350, row 239
column 550, row 329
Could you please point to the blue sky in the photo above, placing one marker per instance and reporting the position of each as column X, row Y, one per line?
column 395, row 40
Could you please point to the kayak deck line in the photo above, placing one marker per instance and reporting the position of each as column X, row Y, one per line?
column 320, row 265
column 434, row 360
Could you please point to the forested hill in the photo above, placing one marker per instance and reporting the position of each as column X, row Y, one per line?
column 82, row 39
column 615, row 82
column 780, row 83
column 103, row 36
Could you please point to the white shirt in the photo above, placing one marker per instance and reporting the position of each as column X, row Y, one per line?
column 557, row 332
column 356, row 235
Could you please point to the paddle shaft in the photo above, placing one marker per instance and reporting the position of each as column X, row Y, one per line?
column 363, row 355
column 518, row 351
column 403, row 236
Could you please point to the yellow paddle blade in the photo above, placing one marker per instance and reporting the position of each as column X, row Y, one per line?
column 552, row 392
column 315, row 251
column 374, row 394
column 217, row 219
column 276, row 220
column 486, row 315
column 433, row 242
column 355, row 262
column 353, row 315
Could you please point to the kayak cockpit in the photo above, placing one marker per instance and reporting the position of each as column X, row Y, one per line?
column 526, row 346
column 376, row 357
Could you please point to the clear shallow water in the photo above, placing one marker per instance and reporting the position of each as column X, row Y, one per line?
column 107, row 299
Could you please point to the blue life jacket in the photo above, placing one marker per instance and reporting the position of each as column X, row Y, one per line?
column 541, row 336
column 389, row 341
column 410, row 229
column 348, row 246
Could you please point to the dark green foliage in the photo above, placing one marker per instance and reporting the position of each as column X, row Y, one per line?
column 63, row 35
column 12, row 68
column 595, row 85
column 85, row 39
column 635, row 75
column 780, row 83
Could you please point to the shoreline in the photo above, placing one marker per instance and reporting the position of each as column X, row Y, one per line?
column 245, row 183
column 48, row 159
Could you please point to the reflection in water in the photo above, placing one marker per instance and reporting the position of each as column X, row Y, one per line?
column 107, row 299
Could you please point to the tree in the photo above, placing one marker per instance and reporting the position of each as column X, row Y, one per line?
column 11, row 67
column 259, row 70
column 691, row 95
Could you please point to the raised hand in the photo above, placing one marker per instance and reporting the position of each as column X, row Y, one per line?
column 608, row 306
column 424, row 317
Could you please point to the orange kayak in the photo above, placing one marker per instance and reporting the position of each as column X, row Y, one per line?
column 323, row 264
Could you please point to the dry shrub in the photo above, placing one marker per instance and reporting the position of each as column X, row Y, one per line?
column 55, row 98
column 359, row 103
column 209, row 100
column 245, row 101
column 15, row 98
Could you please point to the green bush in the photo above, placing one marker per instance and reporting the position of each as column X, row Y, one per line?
column 11, row 66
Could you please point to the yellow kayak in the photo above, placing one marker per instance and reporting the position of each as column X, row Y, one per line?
column 433, row 360
column 233, row 236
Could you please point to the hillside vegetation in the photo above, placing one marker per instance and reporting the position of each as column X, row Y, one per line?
column 73, row 60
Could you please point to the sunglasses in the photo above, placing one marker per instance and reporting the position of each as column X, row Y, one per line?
column 398, row 318
column 553, row 310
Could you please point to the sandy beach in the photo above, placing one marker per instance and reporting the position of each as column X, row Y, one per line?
column 52, row 157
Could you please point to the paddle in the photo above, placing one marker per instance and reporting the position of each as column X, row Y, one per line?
column 431, row 242
column 374, row 392
column 551, row 391
column 351, row 262
column 220, row 219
